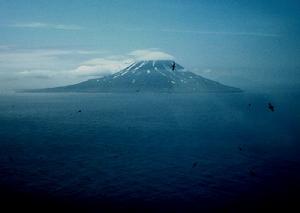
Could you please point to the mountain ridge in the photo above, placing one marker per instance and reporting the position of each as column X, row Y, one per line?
column 147, row 76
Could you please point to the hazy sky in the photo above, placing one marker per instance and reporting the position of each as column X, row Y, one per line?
column 49, row 43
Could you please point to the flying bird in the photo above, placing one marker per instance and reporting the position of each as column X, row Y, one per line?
column 271, row 107
column 195, row 164
column 173, row 66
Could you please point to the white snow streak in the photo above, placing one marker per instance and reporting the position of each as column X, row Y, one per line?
column 162, row 73
column 128, row 68
column 124, row 72
column 142, row 64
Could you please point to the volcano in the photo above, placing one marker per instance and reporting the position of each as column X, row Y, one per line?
column 148, row 76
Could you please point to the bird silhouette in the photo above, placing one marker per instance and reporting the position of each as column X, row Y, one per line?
column 195, row 164
column 173, row 66
column 271, row 107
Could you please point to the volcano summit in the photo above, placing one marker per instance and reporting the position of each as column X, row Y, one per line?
column 148, row 76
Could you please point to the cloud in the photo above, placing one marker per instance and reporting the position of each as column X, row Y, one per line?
column 31, row 59
column 5, row 47
column 150, row 54
column 101, row 66
column 46, row 26
column 200, row 32
column 40, row 74
column 29, row 65
column 114, row 63
column 223, row 33
column 61, row 66
column 207, row 71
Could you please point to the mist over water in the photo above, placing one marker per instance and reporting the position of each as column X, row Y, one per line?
column 155, row 152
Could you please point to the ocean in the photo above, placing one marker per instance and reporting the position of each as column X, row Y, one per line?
column 146, row 152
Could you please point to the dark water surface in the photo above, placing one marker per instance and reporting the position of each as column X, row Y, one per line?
column 150, row 152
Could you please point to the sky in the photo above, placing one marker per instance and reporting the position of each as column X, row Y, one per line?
column 52, row 43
